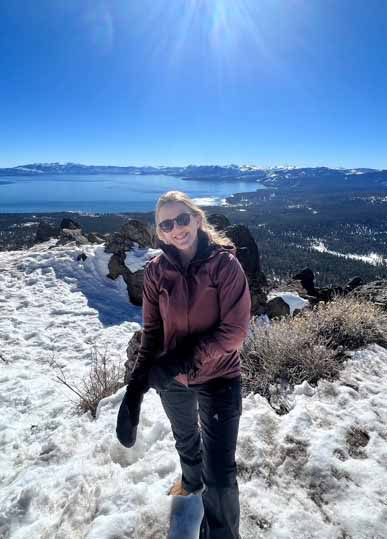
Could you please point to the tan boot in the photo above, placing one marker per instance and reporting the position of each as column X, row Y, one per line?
column 177, row 489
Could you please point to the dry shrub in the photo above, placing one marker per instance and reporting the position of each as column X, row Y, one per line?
column 351, row 323
column 311, row 345
column 103, row 379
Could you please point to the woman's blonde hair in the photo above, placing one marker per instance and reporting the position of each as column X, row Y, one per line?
column 214, row 235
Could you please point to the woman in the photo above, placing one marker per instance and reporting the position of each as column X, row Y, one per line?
column 196, row 311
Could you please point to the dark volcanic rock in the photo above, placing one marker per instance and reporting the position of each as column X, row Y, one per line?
column 69, row 224
column 352, row 284
column 248, row 255
column 247, row 250
column 46, row 231
column 277, row 308
column 219, row 221
column 72, row 235
column 375, row 291
column 131, row 232
column 306, row 276
column 131, row 352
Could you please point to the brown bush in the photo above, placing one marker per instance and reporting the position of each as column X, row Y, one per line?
column 311, row 345
column 103, row 380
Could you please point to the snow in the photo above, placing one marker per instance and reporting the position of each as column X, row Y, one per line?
column 65, row 476
column 137, row 257
column 372, row 258
column 291, row 298
column 210, row 201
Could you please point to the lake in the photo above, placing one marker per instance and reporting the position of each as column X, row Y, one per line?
column 106, row 193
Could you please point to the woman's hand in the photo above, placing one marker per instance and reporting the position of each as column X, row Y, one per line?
column 180, row 360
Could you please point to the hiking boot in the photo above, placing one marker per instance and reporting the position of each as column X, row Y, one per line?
column 177, row 489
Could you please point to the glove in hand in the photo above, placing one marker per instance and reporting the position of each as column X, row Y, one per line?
column 128, row 418
column 180, row 360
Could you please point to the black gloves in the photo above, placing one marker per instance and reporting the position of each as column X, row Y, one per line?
column 128, row 418
column 158, row 374
column 180, row 360
column 129, row 412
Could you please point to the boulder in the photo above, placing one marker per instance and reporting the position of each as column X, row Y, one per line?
column 46, row 231
column 277, row 308
column 131, row 352
column 68, row 235
column 69, row 224
column 375, row 291
column 247, row 250
column 352, row 284
column 131, row 232
column 219, row 221
column 306, row 277
column 134, row 281
column 248, row 255
column 95, row 238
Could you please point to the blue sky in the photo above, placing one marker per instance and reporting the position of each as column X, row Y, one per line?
column 173, row 82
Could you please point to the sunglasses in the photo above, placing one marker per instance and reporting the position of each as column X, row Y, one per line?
column 183, row 219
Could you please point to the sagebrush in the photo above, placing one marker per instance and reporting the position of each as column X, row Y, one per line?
column 104, row 378
column 311, row 345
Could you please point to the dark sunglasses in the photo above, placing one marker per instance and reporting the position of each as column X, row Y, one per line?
column 182, row 219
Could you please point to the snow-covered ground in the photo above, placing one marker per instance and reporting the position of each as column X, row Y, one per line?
column 318, row 472
column 372, row 258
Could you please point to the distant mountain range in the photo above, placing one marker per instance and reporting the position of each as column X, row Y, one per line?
column 281, row 177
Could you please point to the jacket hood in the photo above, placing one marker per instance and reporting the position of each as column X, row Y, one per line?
column 205, row 250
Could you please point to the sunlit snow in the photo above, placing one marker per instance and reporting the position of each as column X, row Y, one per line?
column 318, row 472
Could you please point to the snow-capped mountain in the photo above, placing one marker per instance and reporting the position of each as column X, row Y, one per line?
column 280, row 177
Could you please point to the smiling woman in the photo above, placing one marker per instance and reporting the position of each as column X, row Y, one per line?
column 196, row 310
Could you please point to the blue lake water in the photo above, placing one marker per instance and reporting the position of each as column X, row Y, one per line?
column 106, row 193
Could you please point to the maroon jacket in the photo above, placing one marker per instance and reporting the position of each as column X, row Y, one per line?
column 209, row 299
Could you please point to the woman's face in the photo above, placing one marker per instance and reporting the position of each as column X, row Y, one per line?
column 183, row 237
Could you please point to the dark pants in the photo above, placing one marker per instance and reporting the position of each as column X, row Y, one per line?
column 207, row 451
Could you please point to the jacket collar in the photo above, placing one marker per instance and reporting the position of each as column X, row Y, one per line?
column 205, row 250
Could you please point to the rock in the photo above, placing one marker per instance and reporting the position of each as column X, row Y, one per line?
column 95, row 238
column 328, row 293
column 69, row 224
column 277, row 308
column 116, row 267
column 46, row 231
column 306, row 276
column 72, row 235
column 134, row 281
column 352, row 284
column 219, row 221
column 131, row 232
column 248, row 255
column 82, row 257
column 117, row 244
column 375, row 291
column 247, row 250
column 131, row 352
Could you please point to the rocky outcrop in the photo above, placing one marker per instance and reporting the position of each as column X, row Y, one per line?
column 131, row 352
column 133, row 232
column 375, row 291
column 306, row 278
column 277, row 308
column 68, row 235
column 248, row 255
column 46, row 231
column 69, row 224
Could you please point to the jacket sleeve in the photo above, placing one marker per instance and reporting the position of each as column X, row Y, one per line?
column 213, row 349
column 152, row 339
